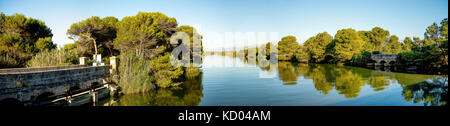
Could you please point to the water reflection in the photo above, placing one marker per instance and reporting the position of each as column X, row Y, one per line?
column 292, row 84
column 432, row 92
column 189, row 94
column 287, row 73
column 349, row 80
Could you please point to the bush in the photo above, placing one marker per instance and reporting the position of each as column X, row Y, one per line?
column 361, row 59
column 163, row 73
column 411, row 58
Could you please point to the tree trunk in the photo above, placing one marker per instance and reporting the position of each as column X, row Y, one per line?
column 95, row 47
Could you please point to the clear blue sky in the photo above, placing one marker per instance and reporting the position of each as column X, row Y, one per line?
column 302, row 18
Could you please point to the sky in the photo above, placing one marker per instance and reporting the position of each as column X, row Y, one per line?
column 214, row 19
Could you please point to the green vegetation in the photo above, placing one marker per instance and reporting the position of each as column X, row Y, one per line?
column 317, row 45
column 287, row 47
column 147, row 34
column 143, row 44
column 393, row 46
column 352, row 47
column 348, row 43
column 347, row 80
column 163, row 73
column 94, row 35
column 21, row 38
column 301, row 55
column 55, row 57
column 141, row 41
column 134, row 74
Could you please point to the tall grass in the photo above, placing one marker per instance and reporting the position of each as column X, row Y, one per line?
column 8, row 62
column 134, row 74
column 55, row 57
column 137, row 74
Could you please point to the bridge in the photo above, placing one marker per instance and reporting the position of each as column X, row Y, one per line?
column 384, row 59
column 32, row 86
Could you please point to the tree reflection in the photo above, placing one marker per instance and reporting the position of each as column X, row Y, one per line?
column 318, row 74
column 287, row 73
column 325, row 77
column 348, row 83
column 432, row 92
column 378, row 83
column 189, row 94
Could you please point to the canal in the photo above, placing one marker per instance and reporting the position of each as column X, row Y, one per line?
column 230, row 81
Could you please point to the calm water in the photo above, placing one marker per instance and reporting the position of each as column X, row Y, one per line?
column 233, row 81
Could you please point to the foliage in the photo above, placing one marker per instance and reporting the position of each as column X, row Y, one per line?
column 393, row 46
column 316, row 46
column 21, row 38
column 134, row 74
column 287, row 47
column 348, row 43
column 163, row 73
column 301, row 55
column 361, row 59
column 45, row 44
column 411, row 58
column 431, row 58
column 94, row 35
column 408, row 44
column 145, row 32
column 55, row 57
column 436, row 34
column 368, row 44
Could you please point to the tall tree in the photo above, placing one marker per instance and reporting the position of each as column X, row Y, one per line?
column 431, row 34
column 301, row 55
column 22, row 37
column 146, row 33
column 348, row 43
column 378, row 38
column 408, row 44
column 316, row 46
column 443, row 29
column 94, row 35
column 418, row 43
column 393, row 46
column 368, row 44
column 287, row 47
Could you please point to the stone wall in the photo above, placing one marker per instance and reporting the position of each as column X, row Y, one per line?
column 24, row 86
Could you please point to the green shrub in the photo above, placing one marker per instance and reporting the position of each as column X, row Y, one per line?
column 163, row 73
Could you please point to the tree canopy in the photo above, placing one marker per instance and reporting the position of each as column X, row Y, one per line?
column 408, row 44
column 145, row 33
column 316, row 46
column 287, row 47
column 394, row 46
column 348, row 43
column 21, row 38
column 94, row 35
